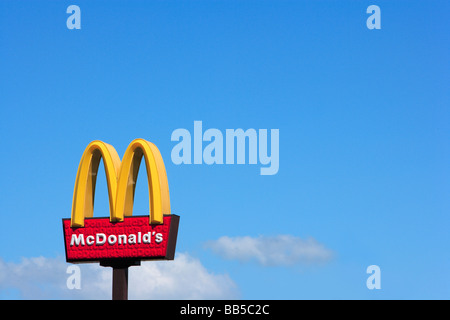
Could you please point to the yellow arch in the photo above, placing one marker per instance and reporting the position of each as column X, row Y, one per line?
column 121, row 180
column 159, row 200
column 84, row 191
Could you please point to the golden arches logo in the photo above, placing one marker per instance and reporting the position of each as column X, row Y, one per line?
column 121, row 179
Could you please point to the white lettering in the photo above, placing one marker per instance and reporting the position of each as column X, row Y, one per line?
column 101, row 238
column 132, row 239
column 73, row 21
column 236, row 147
column 274, row 151
column 122, row 239
column 74, row 280
column 374, row 21
column 90, row 240
column 99, row 241
column 158, row 238
column 216, row 147
column 374, row 281
column 184, row 147
column 76, row 240
column 112, row 239
column 240, row 136
column 198, row 142
column 147, row 238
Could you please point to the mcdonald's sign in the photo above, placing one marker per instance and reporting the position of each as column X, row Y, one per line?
column 121, row 236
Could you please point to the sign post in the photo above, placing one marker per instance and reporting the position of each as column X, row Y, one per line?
column 120, row 277
column 120, row 283
column 121, row 240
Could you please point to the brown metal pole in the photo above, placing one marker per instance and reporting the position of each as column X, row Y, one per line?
column 120, row 276
column 120, row 283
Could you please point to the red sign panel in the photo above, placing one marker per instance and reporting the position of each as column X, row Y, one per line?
column 134, row 239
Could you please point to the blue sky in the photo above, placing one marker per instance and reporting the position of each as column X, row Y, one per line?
column 363, row 117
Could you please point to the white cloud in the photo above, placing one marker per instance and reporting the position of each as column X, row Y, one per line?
column 281, row 250
column 183, row 278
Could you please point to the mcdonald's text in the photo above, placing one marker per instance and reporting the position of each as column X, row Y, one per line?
column 133, row 238
column 100, row 239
